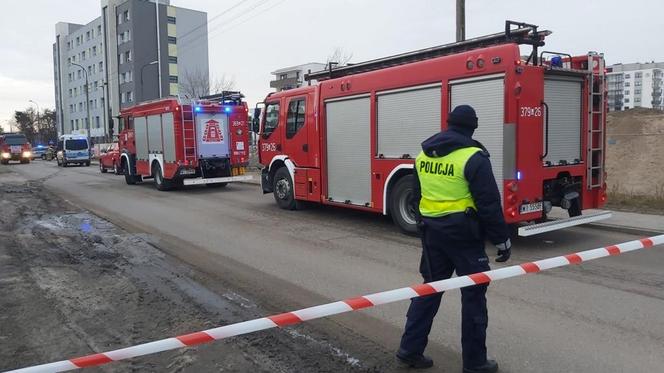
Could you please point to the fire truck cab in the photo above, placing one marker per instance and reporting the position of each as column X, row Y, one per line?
column 14, row 147
column 202, row 142
column 351, row 139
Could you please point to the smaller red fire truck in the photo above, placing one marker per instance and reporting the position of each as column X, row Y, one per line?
column 15, row 147
column 201, row 142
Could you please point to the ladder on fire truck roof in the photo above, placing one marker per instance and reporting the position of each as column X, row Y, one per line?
column 524, row 34
column 596, row 113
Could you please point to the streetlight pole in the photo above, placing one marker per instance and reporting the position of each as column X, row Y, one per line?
column 156, row 6
column 142, row 67
column 460, row 20
column 87, row 100
column 38, row 127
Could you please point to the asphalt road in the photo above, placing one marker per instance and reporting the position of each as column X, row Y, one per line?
column 603, row 316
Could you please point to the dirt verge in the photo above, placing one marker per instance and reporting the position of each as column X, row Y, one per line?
column 72, row 284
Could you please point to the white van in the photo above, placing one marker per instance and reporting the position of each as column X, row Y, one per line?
column 73, row 149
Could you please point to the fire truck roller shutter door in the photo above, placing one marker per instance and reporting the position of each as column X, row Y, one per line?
column 487, row 96
column 414, row 111
column 155, row 145
column 348, row 130
column 563, row 97
column 212, row 135
column 168, row 132
column 141, row 138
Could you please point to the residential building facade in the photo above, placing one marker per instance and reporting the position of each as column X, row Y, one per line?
column 132, row 63
column 635, row 85
column 79, row 54
column 293, row 77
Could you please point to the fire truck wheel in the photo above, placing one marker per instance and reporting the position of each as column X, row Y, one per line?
column 159, row 182
column 102, row 169
column 129, row 178
column 401, row 207
column 283, row 190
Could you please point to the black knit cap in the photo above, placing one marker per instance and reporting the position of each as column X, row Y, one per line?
column 463, row 116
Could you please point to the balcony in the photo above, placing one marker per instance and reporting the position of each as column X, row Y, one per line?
column 287, row 83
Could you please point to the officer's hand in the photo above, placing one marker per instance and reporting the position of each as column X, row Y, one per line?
column 504, row 251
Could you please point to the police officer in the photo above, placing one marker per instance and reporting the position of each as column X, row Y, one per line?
column 459, row 207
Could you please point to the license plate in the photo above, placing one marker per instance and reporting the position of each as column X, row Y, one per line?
column 15, row 148
column 531, row 207
column 187, row 171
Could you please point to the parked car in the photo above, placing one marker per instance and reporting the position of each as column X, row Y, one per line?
column 39, row 151
column 109, row 159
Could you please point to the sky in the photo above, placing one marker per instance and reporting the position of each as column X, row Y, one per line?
column 260, row 36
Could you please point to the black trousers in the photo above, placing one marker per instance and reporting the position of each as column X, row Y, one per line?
column 440, row 258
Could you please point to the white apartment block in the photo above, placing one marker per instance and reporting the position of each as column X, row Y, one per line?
column 635, row 85
column 293, row 77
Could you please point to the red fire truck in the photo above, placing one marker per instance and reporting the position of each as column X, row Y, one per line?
column 351, row 139
column 202, row 142
column 15, row 147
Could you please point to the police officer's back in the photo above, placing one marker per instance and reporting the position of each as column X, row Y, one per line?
column 459, row 206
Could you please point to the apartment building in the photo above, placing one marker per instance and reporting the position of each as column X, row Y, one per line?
column 293, row 77
column 635, row 85
column 132, row 64
column 78, row 59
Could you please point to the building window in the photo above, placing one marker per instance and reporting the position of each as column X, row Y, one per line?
column 637, row 83
column 77, row 124
column 122, row 98
column 627, row 92
column 83, row 56
column 172, row 59
column 101, row 66
column 121, row 57
column 90, row 70
column 96, row 85
column 127, row 35
column 626, row 76
column 99, row 30
column 118, row 19
column 627, row 84
column 94, row 50
column 637, row 75
column 172, row 40
column 282, row 76
column 626, row 99
column 128, row 56
column 637, row 91
column 70, row 92
column 172, row 78
column 171, row 20
column 637, row 99
column 97, row 123
column 87, row 36
column 125, row 15
column 79, row 74
column 130, row 96
column 72, row 124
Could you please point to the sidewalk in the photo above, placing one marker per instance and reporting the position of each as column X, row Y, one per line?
column 623, row 221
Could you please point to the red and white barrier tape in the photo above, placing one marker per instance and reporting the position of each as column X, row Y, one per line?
column 352, row 304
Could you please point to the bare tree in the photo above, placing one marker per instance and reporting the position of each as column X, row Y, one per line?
column 339, row 56
column 197, row 83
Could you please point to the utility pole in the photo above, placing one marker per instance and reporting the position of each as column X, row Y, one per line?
column 87, row 101
column 460, row 20
column 156, row 6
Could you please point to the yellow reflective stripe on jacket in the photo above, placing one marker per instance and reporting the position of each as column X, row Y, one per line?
column 443, row 183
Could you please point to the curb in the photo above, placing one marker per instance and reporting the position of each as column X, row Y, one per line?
column 638, row 231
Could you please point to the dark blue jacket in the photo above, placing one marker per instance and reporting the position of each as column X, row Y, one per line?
column 489, row 221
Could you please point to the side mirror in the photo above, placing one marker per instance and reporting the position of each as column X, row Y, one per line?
column 256, row 121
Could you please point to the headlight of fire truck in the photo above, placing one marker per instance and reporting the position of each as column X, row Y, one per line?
column 27, row 154
column 6, row 155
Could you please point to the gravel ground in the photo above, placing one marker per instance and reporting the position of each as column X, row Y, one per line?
column 72, row 284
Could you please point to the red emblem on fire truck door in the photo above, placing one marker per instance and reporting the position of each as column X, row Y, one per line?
column 212, row 132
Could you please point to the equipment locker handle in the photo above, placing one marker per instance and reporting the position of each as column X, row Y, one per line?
column 546, row 130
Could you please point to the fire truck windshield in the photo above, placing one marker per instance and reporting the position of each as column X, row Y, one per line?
column 15, row 140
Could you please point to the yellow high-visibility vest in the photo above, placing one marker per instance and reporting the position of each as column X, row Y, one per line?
column 443, row 183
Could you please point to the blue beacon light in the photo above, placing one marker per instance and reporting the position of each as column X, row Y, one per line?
column 197, row 109
column 227, row 109
column 518, row 175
